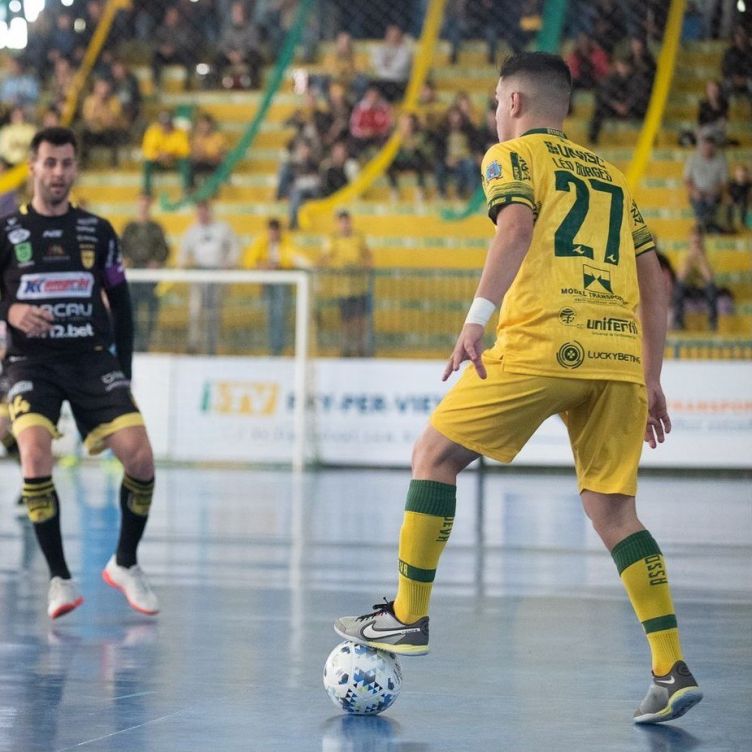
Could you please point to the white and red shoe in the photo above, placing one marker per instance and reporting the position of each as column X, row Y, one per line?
column 132, row 583
column 62, row 597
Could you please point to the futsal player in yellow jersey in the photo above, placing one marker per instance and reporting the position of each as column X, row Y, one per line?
column 569, row 264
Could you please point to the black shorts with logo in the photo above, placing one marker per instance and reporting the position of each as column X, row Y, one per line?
column 93, row 383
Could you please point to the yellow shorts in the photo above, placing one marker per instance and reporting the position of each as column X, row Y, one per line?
column 496, row 417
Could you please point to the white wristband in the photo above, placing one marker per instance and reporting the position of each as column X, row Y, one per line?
column 481, row 310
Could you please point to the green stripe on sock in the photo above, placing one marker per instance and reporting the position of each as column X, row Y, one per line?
column 431, row 497
column 138, row 486
column 416, row 573
column 633, row 548
column 659, row 624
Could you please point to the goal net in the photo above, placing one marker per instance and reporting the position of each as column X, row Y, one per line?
column 195, row 332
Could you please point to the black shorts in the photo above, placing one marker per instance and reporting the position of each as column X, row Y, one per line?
column 93, row 383
column 355, row 305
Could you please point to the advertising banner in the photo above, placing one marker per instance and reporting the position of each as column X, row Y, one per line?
column 370, row 412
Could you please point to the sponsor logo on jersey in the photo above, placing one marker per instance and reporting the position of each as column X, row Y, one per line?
column 67, row 331
column 598, row 279
column 23, row 252
column 56, row 252
column 85, row 221
column 52, row 234
column 570, row 355
column 69, row 310
column 56, row 285
column 612, row 324
column 567, row 315
column 88, row 255
column 18, row 235
column 493, row 170
column 616, row 356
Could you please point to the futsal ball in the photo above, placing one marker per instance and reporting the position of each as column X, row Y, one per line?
column 362, row 680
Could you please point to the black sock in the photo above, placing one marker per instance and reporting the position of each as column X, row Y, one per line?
column 135, row 501
column 44, row 511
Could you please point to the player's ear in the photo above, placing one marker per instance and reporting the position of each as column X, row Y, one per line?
column 515, row 106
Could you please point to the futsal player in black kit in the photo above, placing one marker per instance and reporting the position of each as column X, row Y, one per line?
column 58, row 264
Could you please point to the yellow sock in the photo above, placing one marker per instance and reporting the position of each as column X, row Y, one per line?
column 643, row 572
column 429, row 514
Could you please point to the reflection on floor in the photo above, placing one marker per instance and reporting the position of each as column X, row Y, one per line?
column 534, row 646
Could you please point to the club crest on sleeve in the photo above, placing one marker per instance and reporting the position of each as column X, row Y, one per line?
column 493, row 170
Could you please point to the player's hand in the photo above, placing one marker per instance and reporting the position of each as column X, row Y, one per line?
column 469, row 347
column 32, row 320
column 659, row 422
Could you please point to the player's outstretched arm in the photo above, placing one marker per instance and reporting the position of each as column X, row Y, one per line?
column 653, row 315
column 514, row 232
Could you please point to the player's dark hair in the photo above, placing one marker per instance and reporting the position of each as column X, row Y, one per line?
column 55, row 135
column 551, row 68
column 274, row 224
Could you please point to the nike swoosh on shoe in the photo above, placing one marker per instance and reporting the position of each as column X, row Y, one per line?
column 370, row 633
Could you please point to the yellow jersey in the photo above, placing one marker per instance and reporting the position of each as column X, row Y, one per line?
column 571, row 310
column 350, row 257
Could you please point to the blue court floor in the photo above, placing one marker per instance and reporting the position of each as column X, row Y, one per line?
column 534, row 646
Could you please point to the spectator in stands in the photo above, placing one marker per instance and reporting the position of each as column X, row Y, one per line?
column 712, row 113
column 15, row 137
column 618, row 97
column 609, row 24
column 739, row 192
column 165, row 147
column 274, row 250
column 736, row 66
column 412, row 156
column 371, row 121
column 347, row 258
column 696, row 267
column 391, row 62
column 455, row 148
column 127, row 90
column 62, row 82
column 51, row 118
column 63, row 39
column 588, row 63
column 430, row 110
column 144, row 246
column 706, row 178
column 208, row 146
column 306, row 180
column 310, row 120
column 641, row 60
column 239, row 48
column 207, row 244
column 335, row 122
column 175, row 42
column 19, row 87
column 464, row 104
column 341, row 66
column 338, row 170
column 102, row 121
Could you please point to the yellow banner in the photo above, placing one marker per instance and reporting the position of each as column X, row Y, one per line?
column 15, row 178
column 654, row 116
column 314, row 213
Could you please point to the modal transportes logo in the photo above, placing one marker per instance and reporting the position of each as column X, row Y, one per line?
column 570, row 355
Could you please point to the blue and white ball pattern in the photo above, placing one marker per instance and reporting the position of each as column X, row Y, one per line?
column 362, row 680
